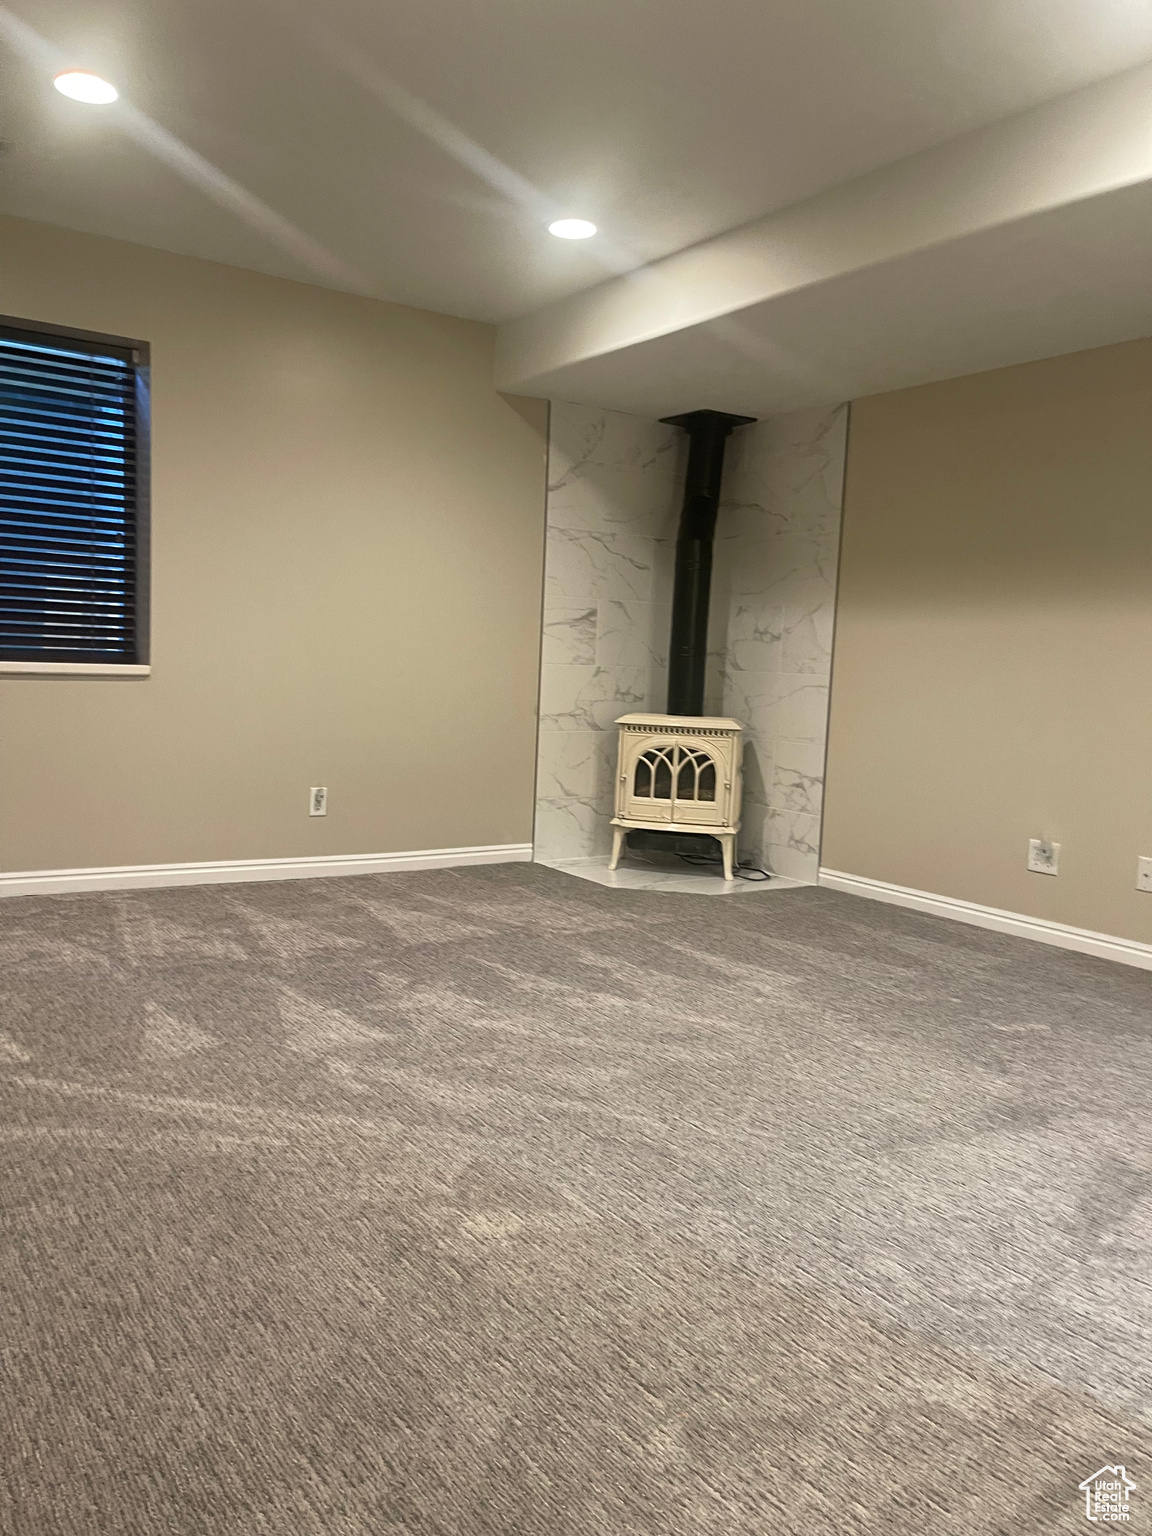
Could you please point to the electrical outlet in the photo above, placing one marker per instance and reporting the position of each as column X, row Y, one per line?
column 1043, row 856
column 318, row 800
column 1144, row 874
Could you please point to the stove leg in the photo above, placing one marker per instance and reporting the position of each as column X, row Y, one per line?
column 618, row 836
column 728, row 849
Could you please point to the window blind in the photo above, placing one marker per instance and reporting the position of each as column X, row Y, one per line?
column 73, row 427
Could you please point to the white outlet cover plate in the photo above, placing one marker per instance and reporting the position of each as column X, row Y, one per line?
column 1144, row 874
column 1043, row 856
column 318, row 800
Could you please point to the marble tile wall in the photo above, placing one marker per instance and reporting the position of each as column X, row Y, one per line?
column 613, row 506
column 613, row 498
column 773, row 606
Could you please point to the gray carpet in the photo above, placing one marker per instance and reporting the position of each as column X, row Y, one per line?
column 454, row 1205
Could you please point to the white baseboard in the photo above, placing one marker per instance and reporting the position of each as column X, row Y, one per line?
column 48, row 882
column 1103, row 945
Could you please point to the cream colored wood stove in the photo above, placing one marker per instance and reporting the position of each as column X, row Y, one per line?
column 678, row 773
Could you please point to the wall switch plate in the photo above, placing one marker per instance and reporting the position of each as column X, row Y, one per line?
column 318, row 800
column 1144, row 874
column 1043, row 856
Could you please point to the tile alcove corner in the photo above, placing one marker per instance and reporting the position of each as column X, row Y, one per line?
column 613, row 509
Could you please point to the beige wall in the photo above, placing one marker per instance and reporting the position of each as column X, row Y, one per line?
column 347, row 549
column 992, row 678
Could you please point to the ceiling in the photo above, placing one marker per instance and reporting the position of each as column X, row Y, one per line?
column 414, row 150
column 1027, row 238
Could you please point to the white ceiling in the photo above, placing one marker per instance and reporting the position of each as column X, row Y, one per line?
column 1023, row 239
column 413, row 149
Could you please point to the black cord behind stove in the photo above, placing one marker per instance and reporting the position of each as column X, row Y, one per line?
column 751, row 872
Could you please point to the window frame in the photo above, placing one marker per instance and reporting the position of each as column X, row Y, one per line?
column 140, row 358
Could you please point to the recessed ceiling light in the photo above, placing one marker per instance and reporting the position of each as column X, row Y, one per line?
column 572, row 229
column 83, row 85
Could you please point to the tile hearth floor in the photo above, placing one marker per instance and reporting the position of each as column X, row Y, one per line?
column 663, row 873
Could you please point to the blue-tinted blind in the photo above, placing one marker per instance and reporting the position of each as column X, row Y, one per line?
column 69, row 500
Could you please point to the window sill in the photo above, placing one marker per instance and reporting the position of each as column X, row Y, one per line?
column 70, row 669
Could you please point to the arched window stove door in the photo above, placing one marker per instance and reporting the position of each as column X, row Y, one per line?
column 674, row 782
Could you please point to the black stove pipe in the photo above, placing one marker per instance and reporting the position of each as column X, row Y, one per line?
column 707, row 433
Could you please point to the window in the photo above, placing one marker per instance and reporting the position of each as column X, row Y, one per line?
column 73, row 501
